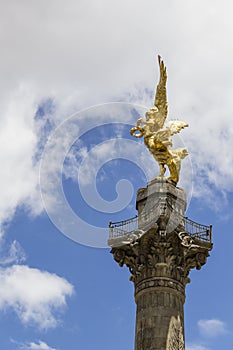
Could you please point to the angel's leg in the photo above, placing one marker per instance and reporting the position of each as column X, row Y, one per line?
column 162, row 170
column 174, row 173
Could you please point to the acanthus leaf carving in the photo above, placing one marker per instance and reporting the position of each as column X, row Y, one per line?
column 175, row 253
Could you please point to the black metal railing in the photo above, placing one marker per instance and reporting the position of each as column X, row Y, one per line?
column 122, row 228
column 126, row 227
column 199, row 231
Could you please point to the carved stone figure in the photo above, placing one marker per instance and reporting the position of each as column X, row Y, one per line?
column 157, row 135
column 175, row 340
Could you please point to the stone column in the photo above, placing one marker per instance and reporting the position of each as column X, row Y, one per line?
column 160, row 296
column 159, row 262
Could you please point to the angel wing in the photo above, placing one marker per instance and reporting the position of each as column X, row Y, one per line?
column 176, row 125
column 161, row 93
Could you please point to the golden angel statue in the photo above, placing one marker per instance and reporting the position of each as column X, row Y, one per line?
column 157, row 134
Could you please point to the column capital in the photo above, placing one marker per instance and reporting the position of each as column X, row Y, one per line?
column 159, row 261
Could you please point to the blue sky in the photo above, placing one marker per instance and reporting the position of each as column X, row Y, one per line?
column 74, row 78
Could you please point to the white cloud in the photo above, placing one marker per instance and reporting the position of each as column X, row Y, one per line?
column 34, row 295
column 18, row 139
column 195, row 347
column 80, row 55
column 40, row 345
column 14, row 255
column 212, row 328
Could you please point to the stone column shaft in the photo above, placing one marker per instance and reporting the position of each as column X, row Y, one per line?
column 155, row 310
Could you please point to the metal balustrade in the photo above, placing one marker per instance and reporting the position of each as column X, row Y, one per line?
column 199, row 231
column 124, row 228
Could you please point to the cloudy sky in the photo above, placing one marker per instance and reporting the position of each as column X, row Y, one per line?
column 74, row 77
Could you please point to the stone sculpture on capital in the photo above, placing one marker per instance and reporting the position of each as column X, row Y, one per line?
column 157, row 134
